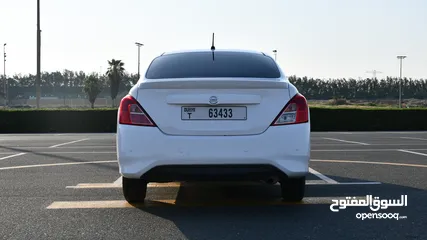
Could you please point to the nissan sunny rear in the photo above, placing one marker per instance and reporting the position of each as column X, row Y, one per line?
column 213, row 115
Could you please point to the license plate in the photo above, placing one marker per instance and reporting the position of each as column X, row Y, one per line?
column 213, row 113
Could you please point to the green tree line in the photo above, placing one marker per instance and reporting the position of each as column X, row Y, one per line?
column 363, row 89
column 71, row 84
column 66, row 78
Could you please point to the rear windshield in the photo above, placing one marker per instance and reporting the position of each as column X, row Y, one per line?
column 217, row 64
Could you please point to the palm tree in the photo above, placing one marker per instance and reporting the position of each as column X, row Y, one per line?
column 115, row 73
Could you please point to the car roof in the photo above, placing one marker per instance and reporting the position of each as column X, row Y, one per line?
column 216, row 50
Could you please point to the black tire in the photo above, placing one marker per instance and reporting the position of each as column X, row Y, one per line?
column 134, row 190
column 293, row 189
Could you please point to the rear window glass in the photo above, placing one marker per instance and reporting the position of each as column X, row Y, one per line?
column 219, row 64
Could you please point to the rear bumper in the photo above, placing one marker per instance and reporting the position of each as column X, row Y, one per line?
column 213, row 172
column 145, row 152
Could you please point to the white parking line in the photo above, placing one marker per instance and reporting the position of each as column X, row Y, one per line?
column 373, row 132
column 62, row 144
column 362, row 150
column 119, row 185
column 323, row 177
column 340, row 140
column 359, row 183
column 118, row 181
column 8, row 153
column 161, row 202
column 365, row 162
column 75, row 147
column 413, row 138
column 417, row 153
column 77, row 152
column 95, row 185
column 55, row 164
column 371, row 144
column 11, row 139
column 11, row 156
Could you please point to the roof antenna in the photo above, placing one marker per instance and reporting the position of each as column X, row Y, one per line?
column 213, row 42
column 213, row 47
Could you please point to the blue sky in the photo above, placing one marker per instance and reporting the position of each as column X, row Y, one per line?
column 315, row 38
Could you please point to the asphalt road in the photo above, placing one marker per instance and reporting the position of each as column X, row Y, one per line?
column 67, row 186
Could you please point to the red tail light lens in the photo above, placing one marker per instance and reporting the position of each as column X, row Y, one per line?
column 296, row 111
column 131, row 113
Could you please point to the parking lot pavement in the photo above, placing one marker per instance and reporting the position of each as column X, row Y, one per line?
column 67, row 186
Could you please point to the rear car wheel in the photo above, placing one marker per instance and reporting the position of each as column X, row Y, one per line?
column 134, row 190
column 293, row 189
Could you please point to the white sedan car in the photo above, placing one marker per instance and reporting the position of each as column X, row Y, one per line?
column 212, row 115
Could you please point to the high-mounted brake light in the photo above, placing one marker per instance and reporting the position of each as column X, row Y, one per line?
column 131, row 113
column 295, row 111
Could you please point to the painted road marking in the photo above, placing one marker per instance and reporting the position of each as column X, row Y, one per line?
column 55, row 164
column 173, row 202
column 78, row 147
column 118, row 181
column 371, row 144
column 365, row 162
column 78, row 152
column 5, row 153
column 413, row 138
column 62, row 144
column 373, row 132
column 95, row 185
column 340, row 140
column 417, row 153
column 363, row 150
column 359, row 183
column 12, row 139
column 321, row 176
column 11, row 156
column 114, row 185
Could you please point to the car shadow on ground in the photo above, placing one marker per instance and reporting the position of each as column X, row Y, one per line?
column 255, row 211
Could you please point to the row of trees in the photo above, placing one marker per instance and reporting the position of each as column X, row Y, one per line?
column 68, row 78
column 366, row 89
column 116, row 79
column 73, row 84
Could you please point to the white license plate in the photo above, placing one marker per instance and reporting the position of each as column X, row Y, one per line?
column 213, row 113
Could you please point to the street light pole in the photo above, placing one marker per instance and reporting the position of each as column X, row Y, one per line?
column 275, row 54
column 38, row 56
column 5, row 83
column 400, row 80
column 139, row 47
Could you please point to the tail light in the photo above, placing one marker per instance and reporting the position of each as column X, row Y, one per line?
column 131, row 113
column 295, row 111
